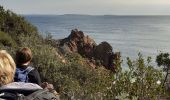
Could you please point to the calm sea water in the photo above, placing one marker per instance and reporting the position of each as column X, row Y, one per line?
column 127, row 34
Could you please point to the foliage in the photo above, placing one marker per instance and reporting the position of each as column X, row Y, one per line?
column 140, row 81
column 6, row 40
column 163, row 60
column 14, row 25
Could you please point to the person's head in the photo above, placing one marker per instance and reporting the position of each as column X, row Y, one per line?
column 7, row 68
column 23, row 56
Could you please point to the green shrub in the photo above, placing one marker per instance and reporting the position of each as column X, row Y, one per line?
column 140, row 81
column 163, row 60
column 6, row 40
column 14, row 24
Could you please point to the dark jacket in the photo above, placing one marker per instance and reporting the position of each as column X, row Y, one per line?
column 33, row 75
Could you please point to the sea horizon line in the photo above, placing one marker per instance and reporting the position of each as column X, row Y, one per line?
column 84, row 15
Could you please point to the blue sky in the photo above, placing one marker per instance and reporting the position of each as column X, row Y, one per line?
column 92, row 7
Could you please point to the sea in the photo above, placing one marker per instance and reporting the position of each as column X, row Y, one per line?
column 129, row 35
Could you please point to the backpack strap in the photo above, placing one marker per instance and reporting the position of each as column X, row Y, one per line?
column 28, row 69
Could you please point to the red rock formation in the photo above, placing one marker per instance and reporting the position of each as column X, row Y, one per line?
column 86, row 46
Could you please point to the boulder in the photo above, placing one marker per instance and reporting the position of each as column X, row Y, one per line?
column 103, row 52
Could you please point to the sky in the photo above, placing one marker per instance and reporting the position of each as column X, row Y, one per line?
column 91, row 7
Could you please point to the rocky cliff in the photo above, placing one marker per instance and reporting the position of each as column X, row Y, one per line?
column 78, row 42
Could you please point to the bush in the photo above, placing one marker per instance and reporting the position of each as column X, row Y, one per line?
column 6, row 40
column 15, row 25
column 140, row 81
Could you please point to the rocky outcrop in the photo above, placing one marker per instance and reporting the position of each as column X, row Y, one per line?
column 78, row 42
column 86, row 46
column 104, row 53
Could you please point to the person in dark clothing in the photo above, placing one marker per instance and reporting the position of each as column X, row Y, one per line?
column 24, row 71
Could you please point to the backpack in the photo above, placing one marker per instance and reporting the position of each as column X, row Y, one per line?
column 41, row 94
column 22, row 75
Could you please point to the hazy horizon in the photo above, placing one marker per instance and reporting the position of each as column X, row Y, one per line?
column 88, row 7
column 89, row 15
